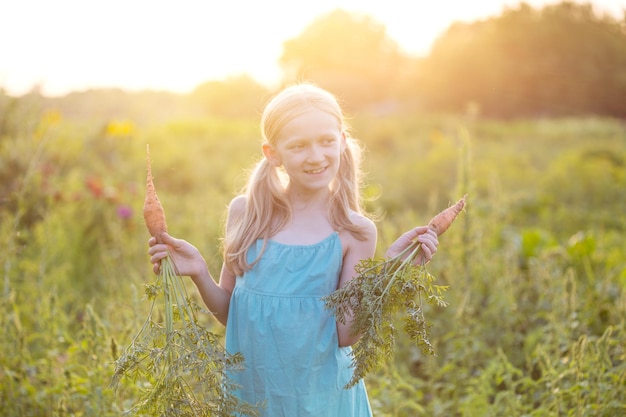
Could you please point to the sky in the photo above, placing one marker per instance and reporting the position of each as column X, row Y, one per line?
column 73, row 45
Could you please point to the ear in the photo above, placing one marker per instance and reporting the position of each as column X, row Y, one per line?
column 344, row 140
column 271, row 155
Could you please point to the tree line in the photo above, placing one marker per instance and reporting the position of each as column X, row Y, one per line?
column 563, row 59
column 560, row 60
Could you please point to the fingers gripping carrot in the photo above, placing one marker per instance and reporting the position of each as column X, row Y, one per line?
column 442, row 221
column 153, row 212
column 383, row 287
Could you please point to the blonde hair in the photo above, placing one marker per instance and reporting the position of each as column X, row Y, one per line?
column 267, row 208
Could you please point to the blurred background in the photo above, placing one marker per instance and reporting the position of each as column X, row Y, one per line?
column 520, row 105
column 500, row 58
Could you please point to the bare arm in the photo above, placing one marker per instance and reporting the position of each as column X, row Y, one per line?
column 189, row 262
column 356, row 251
column 359, row 250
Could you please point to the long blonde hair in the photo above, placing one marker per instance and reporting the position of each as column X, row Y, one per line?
column 267, row 208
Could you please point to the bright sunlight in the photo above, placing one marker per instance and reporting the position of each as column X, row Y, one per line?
column 72, row 45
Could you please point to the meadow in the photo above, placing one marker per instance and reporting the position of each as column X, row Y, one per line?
column 536, row 265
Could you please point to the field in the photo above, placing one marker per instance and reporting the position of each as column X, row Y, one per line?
column 536, row 266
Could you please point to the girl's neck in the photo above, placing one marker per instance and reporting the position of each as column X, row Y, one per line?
column 305, row 201
column 309, row 219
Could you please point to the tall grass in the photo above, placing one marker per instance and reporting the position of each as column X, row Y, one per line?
column 537, row 306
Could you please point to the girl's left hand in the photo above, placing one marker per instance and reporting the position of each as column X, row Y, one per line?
column 423, row 234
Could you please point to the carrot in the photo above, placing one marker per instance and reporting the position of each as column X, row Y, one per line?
column 442, row 221
column 153, row 212
column 185, row 366
column 382, row 288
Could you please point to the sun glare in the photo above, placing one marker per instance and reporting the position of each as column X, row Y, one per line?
column 73, row 45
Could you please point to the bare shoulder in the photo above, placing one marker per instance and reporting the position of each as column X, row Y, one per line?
column 236, row 209
column 366, row 243
column 237, row 206
column 357, row 248
column 365, row 223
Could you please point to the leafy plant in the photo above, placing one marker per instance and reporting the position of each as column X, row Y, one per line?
column 184, row 365
column 381, row 289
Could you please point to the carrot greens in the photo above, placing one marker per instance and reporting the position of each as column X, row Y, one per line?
column 180, row 366
column 382, row 289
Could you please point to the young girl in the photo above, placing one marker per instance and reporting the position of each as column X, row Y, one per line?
column 292, row 237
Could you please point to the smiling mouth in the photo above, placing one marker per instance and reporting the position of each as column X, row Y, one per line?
column 315, row 171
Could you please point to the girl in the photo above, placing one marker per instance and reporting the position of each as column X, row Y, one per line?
column 292, row 237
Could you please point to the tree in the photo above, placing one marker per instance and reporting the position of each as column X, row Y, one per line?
column 237, row 96
column 349, row 54
column 563, row 59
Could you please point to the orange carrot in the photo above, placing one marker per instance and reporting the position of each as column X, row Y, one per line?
column 442, row 221
column 153, row 212
column 383, row 287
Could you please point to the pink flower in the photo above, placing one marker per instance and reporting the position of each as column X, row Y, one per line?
column 124, row 211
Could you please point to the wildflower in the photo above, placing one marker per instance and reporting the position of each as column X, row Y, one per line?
column 120, row 129
column 95, row 186
column 124, row 212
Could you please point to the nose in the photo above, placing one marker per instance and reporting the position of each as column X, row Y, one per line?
column 316, row 154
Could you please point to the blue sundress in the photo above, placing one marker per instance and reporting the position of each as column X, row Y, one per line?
column 277, row 320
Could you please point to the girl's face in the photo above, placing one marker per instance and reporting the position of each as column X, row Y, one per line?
column 309, row 149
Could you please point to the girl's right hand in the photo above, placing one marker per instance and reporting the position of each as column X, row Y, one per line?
column 185, row 256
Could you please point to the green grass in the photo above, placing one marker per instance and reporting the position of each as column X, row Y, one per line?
column 536, row 266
